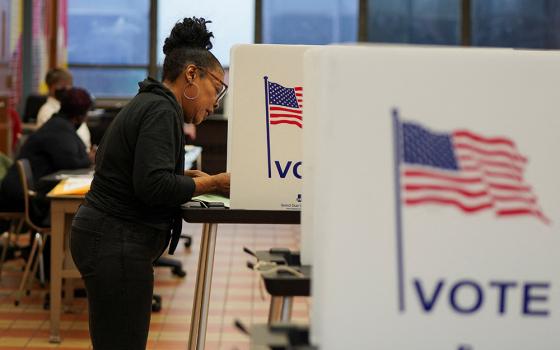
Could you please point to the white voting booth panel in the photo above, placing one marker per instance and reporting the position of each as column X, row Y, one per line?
column 311, row 135
column 443, row 229
column 265, row 126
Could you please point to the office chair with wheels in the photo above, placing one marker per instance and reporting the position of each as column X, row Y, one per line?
column 40, row 234
column 176, row 269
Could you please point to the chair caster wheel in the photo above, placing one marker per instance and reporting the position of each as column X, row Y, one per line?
column 16, row 302
column 156, row 303
column 179, row 272
column 188, row 242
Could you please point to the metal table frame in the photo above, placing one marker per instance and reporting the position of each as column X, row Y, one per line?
column 210, row 218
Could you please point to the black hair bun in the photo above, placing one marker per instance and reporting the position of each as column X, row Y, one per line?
column 190, row 33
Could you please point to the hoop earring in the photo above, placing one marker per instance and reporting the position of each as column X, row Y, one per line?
column 197, row 92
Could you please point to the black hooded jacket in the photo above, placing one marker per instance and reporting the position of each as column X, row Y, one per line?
column 138, row 175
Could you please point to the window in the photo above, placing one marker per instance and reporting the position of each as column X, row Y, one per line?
column 108, row 45
column 309, row 22
column 109, row 41
column 233, row 22
column 517, row 23
column 414, row 21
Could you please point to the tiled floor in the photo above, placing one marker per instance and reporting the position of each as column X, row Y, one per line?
column 235, row 295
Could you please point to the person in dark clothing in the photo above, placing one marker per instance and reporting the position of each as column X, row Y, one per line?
column 53, row 147
column 132, row 211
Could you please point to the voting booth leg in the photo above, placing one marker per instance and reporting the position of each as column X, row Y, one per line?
column 280, row 309
column 199, row 318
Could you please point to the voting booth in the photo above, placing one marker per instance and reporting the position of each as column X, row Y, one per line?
column 442, row 232
column 265, row 126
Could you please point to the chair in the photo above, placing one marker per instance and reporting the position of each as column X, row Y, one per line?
column 16, row 220
column 41, row 234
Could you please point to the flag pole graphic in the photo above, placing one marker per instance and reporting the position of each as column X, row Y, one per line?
column 398, row 208
column 267, row 127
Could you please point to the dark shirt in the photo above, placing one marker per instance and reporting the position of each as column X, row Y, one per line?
column 54, row 146
column 137, row 176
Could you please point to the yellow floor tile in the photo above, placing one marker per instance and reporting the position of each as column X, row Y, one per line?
column 25, row 324
column 13, row 341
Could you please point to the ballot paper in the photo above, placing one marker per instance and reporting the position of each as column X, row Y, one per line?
column 211, row 198
column 74, row 185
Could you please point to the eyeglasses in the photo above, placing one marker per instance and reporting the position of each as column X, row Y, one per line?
column 224, row 87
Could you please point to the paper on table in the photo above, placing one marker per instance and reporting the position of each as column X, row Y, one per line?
column 73, row 185
column 212, row 198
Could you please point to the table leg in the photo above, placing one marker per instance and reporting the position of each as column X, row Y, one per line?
column 287, row 305
column 275, row 310
column 201, row 303
column 57, row 238
column 67, row 264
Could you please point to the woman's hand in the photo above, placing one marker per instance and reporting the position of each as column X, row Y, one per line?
column 223, row 181
column 195, row 173
column 212, row 184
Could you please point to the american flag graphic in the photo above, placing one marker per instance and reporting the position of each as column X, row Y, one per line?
column 466, row 170
column 284, row 104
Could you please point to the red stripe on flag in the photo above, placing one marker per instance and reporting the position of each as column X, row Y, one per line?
column 298, row 88
column 283, row 109
column 531, row 200
column 447, row 201
column 498, row 186
column 275, row 122
column 523, row 211
column 274, row 115
column 509, row 155
column 488, row 163
column 466, row 193
column 428, row 174
column 503, row 175
column 482, row 139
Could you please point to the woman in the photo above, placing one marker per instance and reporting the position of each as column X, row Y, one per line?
column 54, row 146
column 139, row 185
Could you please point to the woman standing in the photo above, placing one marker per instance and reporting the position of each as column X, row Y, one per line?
column 138, row 186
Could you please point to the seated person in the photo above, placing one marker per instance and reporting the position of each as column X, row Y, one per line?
column 56, row 79
column 53, row 147
column 16, row 127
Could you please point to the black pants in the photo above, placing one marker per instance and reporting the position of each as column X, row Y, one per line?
column 115, row 260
